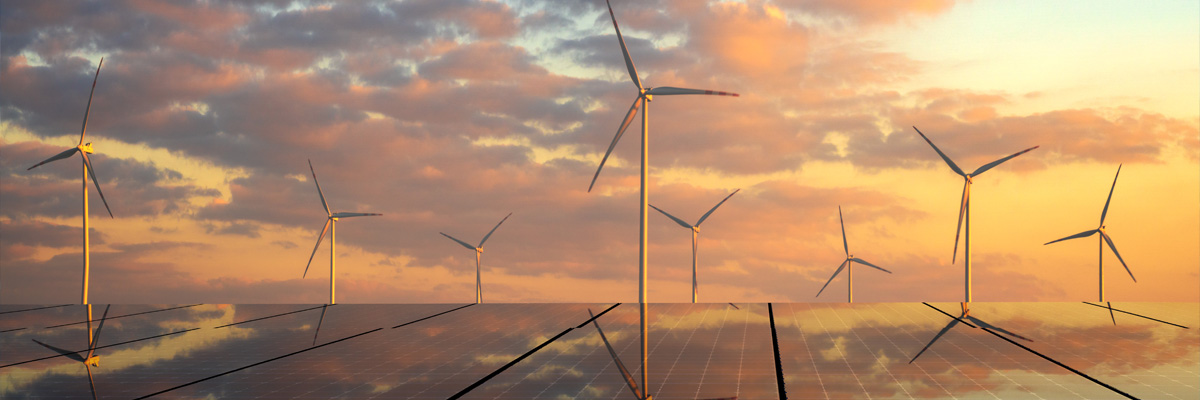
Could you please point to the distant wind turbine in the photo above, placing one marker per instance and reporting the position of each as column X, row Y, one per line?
column 695, row 231
column 92, row 360
column 965, row 209
column 848, row 263
column 645, row 95
column 1103, row 239
column 84, row 149
column 629, row 381
column 478, row 257
column 331, row 227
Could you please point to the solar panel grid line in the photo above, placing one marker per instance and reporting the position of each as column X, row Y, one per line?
column 662, row 380
column 258, row 363
column 682, row 350
column 495, row 338
column 845, row 360
column 1071, row 352
column 742, row 348
column 267, row 317
column 895, row 346
column 126, row 315
column 919, row 342
column 859, row 340
column 34, row 309
column 510, row 364
column 99, row 347
column 808, row 350
column 712, row 350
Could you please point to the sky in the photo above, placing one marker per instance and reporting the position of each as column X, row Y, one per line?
column 445, row 116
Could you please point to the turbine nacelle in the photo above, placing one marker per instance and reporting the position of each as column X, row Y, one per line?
column 86, row 148
column 93, row 361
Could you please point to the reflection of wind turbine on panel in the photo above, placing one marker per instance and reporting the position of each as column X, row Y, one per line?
column 629, row 381
column 1102, row 239
column 645, row 95
column 84, row 149
column 478, row 256
column 92, row 360
column 965, row 209
column 967, row 319
column 848, row 264
column 331, row 227
column 695, row 231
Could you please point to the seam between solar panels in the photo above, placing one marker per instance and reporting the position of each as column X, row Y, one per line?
column 126, row 315
column 101, row 347
column 1136, row 315
column 257, row 363
column 262, row 318
column 434, row 315
column 11, row 330
column 778, row 363
column 1065, row 366
column 32, row 309
column 527, row 354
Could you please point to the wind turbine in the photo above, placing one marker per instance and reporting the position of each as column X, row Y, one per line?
column 848, row 263
column 644, row 96
column 478, row 255
column 92, row 360
column 331, row 227
column 629, row 381
column 84, row 149
column 695, row 231
column 965, row 209
column 1102, row 239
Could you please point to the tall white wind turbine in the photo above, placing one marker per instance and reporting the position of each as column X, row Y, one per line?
column 644, row 96
column 695, row 231
column 848, row 264
column 965, row 209
column 331, row 227
column 478, row 257
column 1104, row 239
column 91, row 360
column 84, row 149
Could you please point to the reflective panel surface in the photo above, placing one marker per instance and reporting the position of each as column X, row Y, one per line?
column 551, row 351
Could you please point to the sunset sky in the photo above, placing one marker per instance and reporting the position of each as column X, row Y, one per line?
column 447, row 115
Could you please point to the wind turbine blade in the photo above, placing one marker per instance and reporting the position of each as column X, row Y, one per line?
column 323, row 203
column 961, row 210
column 485, row 237
column 1110, row 192
column 864, row 262
column 672, row 217
column 1110, row 313
column 1114, row 249
column 1076, row 236
column 314, row 252
column 620, row 131
column 993, row 164
column 949, row 162
column 845, row 246
column 65, row 153
column 74, row 355
column 705, row 216
column 620, row 366
column 464, row 244
column 88, row 163
column 319, row 322
column 91, row 381
column 96, row 337
column 624, row 50
column 835, row 274
column 982, row 324
column 936, row 337
column 735, row 306
column 83, row 130
column 353, row 214
column 671, row 91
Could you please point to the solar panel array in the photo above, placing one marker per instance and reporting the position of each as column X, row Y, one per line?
column 532, row 351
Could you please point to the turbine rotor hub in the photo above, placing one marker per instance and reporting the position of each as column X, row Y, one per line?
column 86, row 148
column 93, row 361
